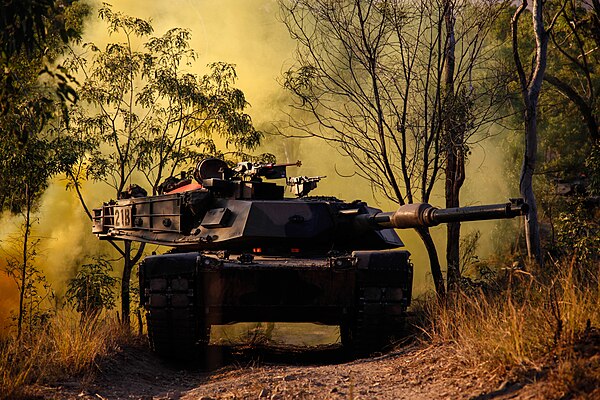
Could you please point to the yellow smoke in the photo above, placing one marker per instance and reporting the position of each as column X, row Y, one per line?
column 248, row 34
column 9, row 298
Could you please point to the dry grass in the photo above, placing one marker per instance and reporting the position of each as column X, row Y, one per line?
column 528, row 329
column 537, row 329
column 66, row 347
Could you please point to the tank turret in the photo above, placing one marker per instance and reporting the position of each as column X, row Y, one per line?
column 235, row 209
column 242, row 251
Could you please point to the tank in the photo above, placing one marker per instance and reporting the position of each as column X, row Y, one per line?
column 243, row 252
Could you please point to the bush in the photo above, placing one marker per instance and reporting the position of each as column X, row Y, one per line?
column 92, row 289
column 578, row 235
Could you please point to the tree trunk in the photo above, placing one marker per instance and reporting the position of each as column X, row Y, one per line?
column 125, row 284
column 454, row 154
column 128, row 263
column 530, row 90
column 436, row 270
column 24, row 266
column 532, row 231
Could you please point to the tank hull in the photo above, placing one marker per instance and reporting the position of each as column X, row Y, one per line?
column 184, row 294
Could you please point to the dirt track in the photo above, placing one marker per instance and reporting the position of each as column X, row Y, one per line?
column 409, row 372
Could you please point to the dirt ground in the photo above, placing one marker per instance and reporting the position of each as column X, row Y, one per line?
column 410, row 371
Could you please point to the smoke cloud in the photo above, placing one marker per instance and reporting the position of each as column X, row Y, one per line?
column 248, row 34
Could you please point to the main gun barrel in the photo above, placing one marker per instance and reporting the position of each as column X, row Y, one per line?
column 425, row 215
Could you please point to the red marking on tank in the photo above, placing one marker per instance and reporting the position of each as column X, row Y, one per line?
column 186, row 188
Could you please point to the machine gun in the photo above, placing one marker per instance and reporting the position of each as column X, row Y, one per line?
column 302, row 185
column 269, row 171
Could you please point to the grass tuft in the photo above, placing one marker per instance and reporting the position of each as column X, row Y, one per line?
column 530, row 328
column 65, row 347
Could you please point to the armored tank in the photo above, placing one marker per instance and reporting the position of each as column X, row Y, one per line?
column 243, row 252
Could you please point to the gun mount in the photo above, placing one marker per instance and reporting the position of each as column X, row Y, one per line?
column 244, row 252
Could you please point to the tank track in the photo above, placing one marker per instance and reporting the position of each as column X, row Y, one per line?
column 382, row 294
column 380, row 316
column 174, row 331
column 372, row 306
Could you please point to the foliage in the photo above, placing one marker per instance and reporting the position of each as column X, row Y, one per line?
column 146, row 115
column 592, row 167
column 569, row 109
column 412, row 80
column 92, row 288
column 32, row 34
column 578, row 235
column 30, row 165
column 483, row 275
column 38, row 294
column 153, row 116
column 572, row 70
column 567, row 122
column 374, row 58
column 26, row 24
column 25, row 170
column 570, row 134
column 468, row 251
column 567, row 105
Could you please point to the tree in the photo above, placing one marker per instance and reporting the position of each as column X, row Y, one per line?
column 32, row 34
column 455, row 128
column 26, row 25
column 146, row 117
column 26, row 172
column 35, row 293
column 375, row 78
column 531, row 86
